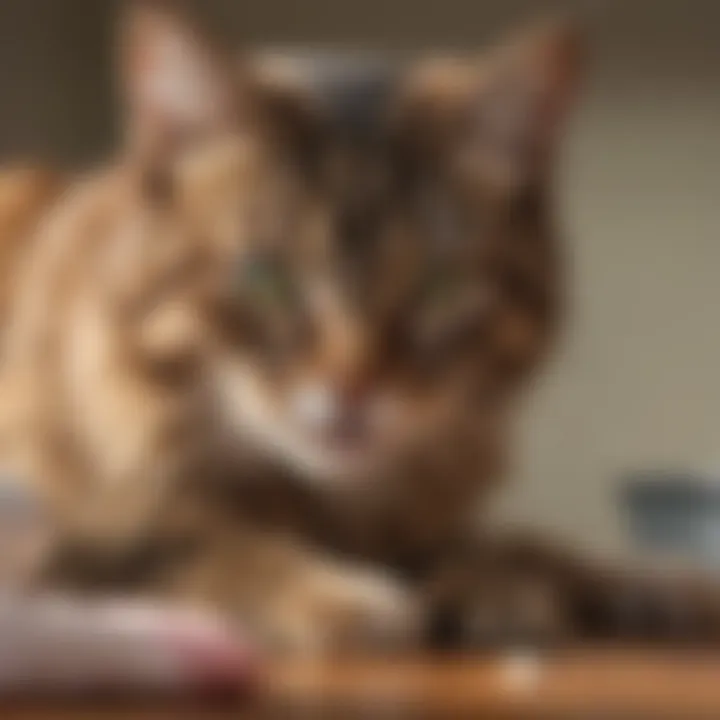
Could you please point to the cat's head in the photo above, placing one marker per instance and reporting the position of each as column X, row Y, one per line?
column 354, row 258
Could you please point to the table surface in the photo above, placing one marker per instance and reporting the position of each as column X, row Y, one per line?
column 578, row 684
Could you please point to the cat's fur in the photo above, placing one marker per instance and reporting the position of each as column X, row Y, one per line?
column 267, row 360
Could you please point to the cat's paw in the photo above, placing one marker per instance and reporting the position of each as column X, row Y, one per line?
column 334, row 610
column 476, row 605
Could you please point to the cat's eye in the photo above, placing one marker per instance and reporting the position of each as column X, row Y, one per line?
column 264, row 280
column 449, row 303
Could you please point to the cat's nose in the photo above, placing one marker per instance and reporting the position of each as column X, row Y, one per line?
column 337, row 413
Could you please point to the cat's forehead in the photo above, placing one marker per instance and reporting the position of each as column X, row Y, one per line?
column 359, row 211
column 350, row 92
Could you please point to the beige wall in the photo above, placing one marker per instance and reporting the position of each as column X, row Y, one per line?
column 636, row 382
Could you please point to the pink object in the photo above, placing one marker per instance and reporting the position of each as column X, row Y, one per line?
column 61, row 645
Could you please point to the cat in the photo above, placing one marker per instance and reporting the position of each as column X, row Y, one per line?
column 269, row 359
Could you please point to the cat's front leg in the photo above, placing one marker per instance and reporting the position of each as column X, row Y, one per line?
column 291, row 597
column 526, row 591
column 335, row 608
column 483, row 596
column 299, row 600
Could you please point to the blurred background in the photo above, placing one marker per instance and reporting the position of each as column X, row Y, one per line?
column 635, row 385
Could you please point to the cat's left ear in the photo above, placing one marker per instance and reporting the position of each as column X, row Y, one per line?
column 176, row 81
column 502, row 116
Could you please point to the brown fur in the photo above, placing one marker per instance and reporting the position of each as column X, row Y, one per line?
column 261, row 234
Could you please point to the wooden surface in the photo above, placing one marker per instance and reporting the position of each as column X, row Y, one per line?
column 577, row 685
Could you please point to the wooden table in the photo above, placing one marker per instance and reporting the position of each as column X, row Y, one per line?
column 600, row 684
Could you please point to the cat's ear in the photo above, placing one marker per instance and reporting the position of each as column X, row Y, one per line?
column 503, row 115
column 525, row 99
column 175, row 82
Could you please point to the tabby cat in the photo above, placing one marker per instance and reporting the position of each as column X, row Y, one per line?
column 267, row 360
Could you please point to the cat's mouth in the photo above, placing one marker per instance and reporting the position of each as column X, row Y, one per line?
column 349, row 435
column 347, row 453
column 310, row 428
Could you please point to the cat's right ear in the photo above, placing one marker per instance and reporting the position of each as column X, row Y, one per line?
column 501, row 116
column 176, row 83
